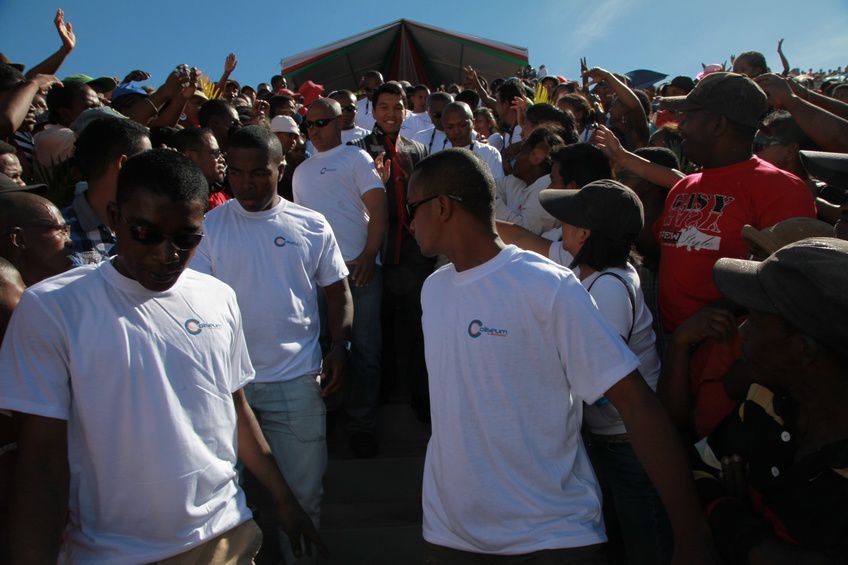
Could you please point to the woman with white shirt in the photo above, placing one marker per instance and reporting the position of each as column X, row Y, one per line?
column 600, row 224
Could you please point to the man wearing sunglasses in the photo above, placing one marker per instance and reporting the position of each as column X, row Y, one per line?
column 369, row 83
column 342, row 183
column 278, row 256
column 433, row 137
column 127, row 377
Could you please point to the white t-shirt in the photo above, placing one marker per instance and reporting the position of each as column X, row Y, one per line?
column 433, row 139
column 510, row 138
column 333, row 183
column 364, row 114
column 518, row 203
column 490, row 156
column 614, row 302
column 275, row 260
column 496, row 140
column 145, row 382
column 416, row 122
column 513, row 348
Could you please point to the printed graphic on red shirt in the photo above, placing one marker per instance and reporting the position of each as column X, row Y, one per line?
column 692, row 221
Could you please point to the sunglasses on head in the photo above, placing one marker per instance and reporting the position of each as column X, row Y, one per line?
column 148, row 236
column 318, row 123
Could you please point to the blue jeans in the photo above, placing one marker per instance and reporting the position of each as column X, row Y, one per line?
column 633, row 512
column 293, row 419
column 362, row 389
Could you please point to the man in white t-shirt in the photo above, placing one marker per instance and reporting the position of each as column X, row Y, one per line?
column 433, row 137
column 277, row 255
column 417, row 117
column 517, row 195
column 506, row 472
column 128, row 429
column 370, row 82
column 458, row 121
column 342, row 182
column 350, row 130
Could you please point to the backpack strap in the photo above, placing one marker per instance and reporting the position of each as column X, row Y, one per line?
column 630, row 293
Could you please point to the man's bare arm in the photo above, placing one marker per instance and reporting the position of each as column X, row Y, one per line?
column 255, row 454
column 513, row 234
column 51, row 64
column 362, row 267
column 340, row 321
column 40, row 497
column 659, row 450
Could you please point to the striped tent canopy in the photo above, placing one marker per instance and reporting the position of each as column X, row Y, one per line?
column 404, row 50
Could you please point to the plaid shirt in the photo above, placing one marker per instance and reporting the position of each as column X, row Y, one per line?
column 93, row 241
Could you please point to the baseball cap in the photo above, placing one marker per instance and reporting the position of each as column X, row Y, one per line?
column 89, row 115
column 284, row 124
column 785, row 232
column 7, row 185
column 732, row 95
column 128, row 88
column 804, row 283
column 606, row 206
column 104, row 84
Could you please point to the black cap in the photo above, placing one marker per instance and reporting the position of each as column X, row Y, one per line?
column 606, row 206
column 7, row 185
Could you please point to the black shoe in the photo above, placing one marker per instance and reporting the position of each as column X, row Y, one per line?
column 363, row 445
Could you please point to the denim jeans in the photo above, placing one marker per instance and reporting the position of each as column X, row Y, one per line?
column 293, row 419
column 633, row 512
column 362, row 389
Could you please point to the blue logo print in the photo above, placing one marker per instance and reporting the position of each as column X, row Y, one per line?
column 476, row 328
column 281, row 241
column 327, row 170
column 194, row 327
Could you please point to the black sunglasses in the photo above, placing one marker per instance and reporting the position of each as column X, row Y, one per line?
column 318, row 123
column 350, row 108
column 437, row 115
column 147, row 236
column 411, row 207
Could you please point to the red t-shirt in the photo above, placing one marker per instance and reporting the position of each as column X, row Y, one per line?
column 702, row 222
column 217, row 198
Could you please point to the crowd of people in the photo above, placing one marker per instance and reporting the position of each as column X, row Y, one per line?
column 622, row 311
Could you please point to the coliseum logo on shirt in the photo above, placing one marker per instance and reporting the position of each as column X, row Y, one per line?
column 476, row 328
column 282, row 241
column 194, row 326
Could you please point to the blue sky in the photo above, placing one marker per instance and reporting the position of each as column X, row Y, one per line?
column 673, row 37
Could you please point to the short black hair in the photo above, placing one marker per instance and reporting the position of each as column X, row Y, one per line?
column 508, row 91
column 279, row 100
column 341, row 92
column 550, row 137
column 257, row 137
column 782, row 125
column 212, row 109
column 461, row 173
column 163, row 136
column 660, row 156
column 546, row 114
column 756, row 59
column 470, row 97
column 440, row 97
column 104, row 140
column 7, row 148
column 390, row 87
column 422, row 87
column 59, row 97
column 373, row 74
column 581, row 163
column 190, row 139
column 163, row 172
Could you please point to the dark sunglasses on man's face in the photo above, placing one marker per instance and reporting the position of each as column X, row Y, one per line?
column 762, row 142
column 437, row 115
column 318, row 123
column 147, row 236
column 349, row 109
column 411, row 207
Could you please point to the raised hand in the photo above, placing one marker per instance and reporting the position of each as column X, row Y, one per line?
column 66, row 31
column 136, row 76
column 230, row 63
